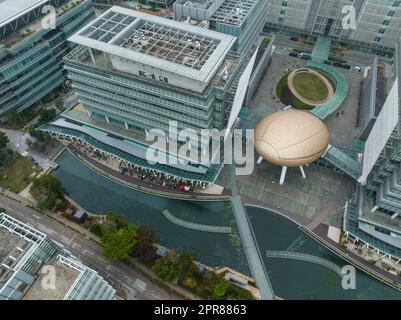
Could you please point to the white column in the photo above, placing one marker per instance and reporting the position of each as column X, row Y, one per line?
column 92, row 57
column 107, row 119
column 126, row 125
column 260, row 160
column 283, row 174
column 302, row 172
column 374, row 209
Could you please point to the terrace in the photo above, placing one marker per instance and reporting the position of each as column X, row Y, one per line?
column 36, row 25
column 12, row 249
column 66, row 276
column 157, row 42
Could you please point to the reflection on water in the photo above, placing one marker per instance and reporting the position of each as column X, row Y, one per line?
column 290, row 279
column 100, row 195
column 302, row 280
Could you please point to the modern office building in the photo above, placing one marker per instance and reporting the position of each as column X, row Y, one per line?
column 243, row 19
column 373, row 216
column 378, row 23
column 372, row 98
column 134, row 72
column 30, row 53
column 28, row 258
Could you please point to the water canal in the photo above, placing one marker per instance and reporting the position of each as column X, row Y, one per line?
column 290, row 279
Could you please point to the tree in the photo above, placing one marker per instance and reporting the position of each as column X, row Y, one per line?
column 187, row 266
column 166, row 269
column 3, row 140
column 221, row 288
column 13, row 117
column 46, row 115
column 118, row 243
column 48, row 190
column 144, row 248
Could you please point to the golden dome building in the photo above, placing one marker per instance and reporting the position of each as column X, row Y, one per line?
column 291, row 139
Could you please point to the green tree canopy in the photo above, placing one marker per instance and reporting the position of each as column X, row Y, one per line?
column 48, row 190
column 166, row 269
column 221, row 288
column 46, row 115
column 118, row 243
column 143, row 248
column 13, row 117
column 3, row 140
column 187, row 266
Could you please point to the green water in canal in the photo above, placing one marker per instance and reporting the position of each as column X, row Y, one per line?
column 290, row 279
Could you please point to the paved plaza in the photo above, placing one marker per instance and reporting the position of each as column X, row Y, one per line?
column 342, row 125
column 322, row 195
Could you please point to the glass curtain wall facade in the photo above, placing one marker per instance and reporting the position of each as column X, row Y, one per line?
column 127, row 98
column 31, row 57
column 378, row 23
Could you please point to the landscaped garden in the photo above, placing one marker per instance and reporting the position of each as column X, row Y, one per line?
column 310, row 86
column 304, row 89
column 287, row 98
column 18, row 174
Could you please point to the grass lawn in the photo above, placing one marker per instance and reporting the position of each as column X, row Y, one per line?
column 16, row 176
column 310, row 87
column 296, row 103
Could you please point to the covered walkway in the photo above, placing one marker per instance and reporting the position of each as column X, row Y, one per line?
column 321, row 50
column 322, row 111
column 344, row 162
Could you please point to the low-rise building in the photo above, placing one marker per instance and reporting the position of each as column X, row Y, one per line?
column 35, row 267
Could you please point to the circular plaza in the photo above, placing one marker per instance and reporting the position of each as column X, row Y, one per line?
column 310, row 87
column 304, row 89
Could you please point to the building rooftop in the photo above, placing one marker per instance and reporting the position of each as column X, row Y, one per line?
column 234, row 12
column 201, row 4
column 35, row 25
column 13, row 9
column 158, row 42
column 13, row 247
column 66, row 276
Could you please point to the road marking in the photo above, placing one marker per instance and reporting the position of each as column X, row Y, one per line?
column 101, row 259
column 140, row 284
column 157, row 297
column 64, row 239
column 88, row 252
column 35, row 216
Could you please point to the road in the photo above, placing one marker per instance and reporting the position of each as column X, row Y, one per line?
column 136, row 286
column 354, row 57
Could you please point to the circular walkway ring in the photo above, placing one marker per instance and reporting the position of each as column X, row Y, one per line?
column 291, row 86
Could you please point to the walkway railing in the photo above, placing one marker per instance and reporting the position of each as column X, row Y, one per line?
column 306, row 258
column 195, row 226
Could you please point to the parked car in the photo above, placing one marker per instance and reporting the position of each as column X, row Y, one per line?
column 337, row 64
column 306, row 56
column 327, row 62
column 358, row 69
column 293, row 54
column 346, row 66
